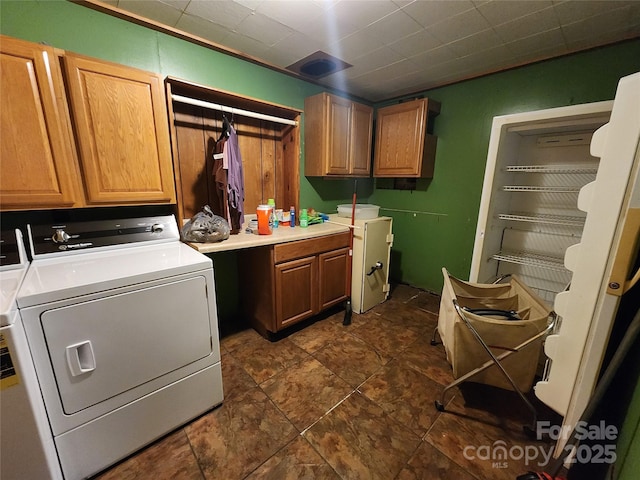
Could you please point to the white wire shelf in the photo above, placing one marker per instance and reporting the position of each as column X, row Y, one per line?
column 546, row 219
column 532, row 260
column 539, row 189
column 552, row 168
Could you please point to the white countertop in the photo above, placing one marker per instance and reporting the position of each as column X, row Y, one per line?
column 281, row 234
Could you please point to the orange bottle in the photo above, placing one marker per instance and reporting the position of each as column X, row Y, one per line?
column 264, row 220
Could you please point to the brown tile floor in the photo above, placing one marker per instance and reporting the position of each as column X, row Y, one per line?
column 356, row 402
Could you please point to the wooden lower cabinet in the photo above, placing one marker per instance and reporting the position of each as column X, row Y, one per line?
column 296, row 290
column 286, row 283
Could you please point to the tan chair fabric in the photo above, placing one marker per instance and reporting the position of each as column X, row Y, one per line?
column 465, row 353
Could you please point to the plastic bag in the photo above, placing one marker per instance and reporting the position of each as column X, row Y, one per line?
column 205, row 227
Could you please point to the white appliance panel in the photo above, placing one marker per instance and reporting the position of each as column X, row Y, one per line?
column 101, row 442
column 26, row 441
column 376, row 248
column 372, row 242
column 587, row 310
column 62, row 422
column 71, row 276
column 100, row 336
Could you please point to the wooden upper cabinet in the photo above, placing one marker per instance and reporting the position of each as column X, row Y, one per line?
column 337, row 136
column 122, row 132
column 404, row 148
column 37, row 167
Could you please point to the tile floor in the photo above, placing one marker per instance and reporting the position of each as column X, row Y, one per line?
column 355, row 402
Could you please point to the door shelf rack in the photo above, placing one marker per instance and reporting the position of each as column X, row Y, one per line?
column 541, row 218
column 537, row 163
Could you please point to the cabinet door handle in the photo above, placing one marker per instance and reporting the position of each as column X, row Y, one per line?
column 80, row 358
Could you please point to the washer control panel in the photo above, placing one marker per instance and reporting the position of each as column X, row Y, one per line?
column 67, row 237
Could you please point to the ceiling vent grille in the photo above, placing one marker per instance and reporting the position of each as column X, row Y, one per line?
column 318, row 65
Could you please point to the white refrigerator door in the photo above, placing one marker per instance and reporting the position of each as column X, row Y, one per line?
column 586, row 310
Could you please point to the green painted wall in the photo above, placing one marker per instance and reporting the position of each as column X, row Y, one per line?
column 442, row 234
column 424, row 243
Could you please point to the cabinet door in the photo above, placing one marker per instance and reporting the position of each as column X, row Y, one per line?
column 122, row 132
column 37, row 167
column 338, row 129
column 361, row 132
column 400, row 135
column 333, row 277
column 296, row 291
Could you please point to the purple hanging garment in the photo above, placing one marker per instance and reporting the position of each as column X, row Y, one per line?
column 235, row 182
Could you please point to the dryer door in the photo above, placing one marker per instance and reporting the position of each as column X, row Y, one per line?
column 106, row 346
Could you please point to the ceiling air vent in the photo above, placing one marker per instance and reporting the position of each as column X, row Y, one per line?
column 318, row 65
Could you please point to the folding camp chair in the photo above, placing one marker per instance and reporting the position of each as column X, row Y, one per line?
column 493, row 334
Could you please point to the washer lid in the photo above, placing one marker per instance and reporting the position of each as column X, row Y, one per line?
column 58, row 278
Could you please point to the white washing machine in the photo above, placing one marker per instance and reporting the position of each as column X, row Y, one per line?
column 121, row 320
column 26, row 444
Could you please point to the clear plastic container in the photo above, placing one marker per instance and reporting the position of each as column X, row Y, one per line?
column 363, row 210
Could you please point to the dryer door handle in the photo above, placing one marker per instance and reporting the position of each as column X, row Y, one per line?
column 80, row 358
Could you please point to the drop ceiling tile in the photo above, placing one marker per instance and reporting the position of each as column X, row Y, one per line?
column 541, row 54
column 402, row 3
column 570, row 12
column 245, row 44
column 603, row 39
column 179, row 4
column 500, row 11
column 153, row 10
column 480, row 41
column 613, row 20
column 433, row 57
column 354, row 46
column 280, row 57
column 459, row 26
column 363, row 13
column 432, row 12
column 378, row 58
column 202, row 28
column 522, row 27
column 416, row 43
column 250, row 4
column 487, row 59
column 351, row 73
column 263, row 29
column 298, row 45
column 297, row 14
column 328, row 29
column 396, row 70
column 540, row 41
column 392, row 27
column 227, row 14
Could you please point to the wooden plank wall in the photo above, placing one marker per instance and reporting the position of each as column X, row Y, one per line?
column 264, row 154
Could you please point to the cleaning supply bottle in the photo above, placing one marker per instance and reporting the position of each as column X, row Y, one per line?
column 304, row 218
column 274, row 219
column 292, row 216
